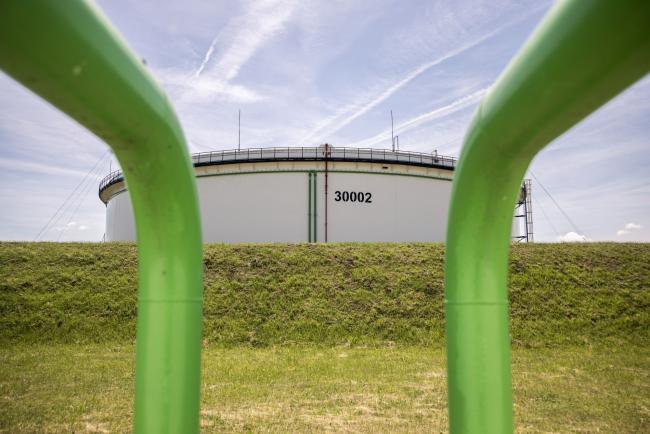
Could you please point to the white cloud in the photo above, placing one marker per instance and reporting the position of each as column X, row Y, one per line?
column 572, row 237
column 203, row 88
column 260, row 23
column 236, row 44
column 628, row 229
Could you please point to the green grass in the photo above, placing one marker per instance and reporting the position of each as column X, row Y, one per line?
column 262, row 295
column 322, row 338
column 88, row 388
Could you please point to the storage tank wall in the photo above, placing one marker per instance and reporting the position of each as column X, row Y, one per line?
column 254, row 207
column 120, row 224
column 383, row 207
column 260, row 203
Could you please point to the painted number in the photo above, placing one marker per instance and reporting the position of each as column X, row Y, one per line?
column 352, row 196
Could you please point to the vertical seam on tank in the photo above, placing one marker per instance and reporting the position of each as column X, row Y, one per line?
column 315, row 213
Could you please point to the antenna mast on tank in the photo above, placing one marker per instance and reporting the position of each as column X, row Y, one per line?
column 392, row 132
column 239, row 131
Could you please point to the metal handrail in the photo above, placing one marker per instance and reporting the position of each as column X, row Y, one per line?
column 303, row 153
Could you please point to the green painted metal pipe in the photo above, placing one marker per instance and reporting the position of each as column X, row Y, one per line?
column 67, row 53
column 579, row 57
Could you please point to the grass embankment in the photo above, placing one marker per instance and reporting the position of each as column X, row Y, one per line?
column 262, row 295
column 325, row 338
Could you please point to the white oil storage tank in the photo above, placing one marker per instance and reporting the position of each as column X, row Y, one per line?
column 309, row 194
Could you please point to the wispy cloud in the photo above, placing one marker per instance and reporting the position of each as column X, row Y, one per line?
column 423, row 118
column 358, row 108
column 262, row 21
column 10, row 164
column 190, row 89
column 233, row 47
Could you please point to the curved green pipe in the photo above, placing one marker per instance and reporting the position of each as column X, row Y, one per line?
column 66, row 52
column 581, row 55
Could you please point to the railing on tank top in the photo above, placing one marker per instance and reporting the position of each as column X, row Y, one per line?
column 312, row 153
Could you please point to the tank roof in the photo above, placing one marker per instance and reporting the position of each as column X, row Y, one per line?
column 314, row 153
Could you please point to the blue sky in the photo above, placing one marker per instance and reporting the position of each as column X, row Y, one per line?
column 309, row 72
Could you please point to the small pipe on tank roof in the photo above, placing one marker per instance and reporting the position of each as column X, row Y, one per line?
column 392, row 132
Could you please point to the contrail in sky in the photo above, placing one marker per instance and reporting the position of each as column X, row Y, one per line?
column 207, row 57
column 418, row 120
column 344, row 117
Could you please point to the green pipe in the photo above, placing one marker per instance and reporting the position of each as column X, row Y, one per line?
column 580, row 56
column 68, row 53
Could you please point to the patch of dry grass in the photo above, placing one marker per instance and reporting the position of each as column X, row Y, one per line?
column 67, row 388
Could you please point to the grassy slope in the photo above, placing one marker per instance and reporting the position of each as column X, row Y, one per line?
column 263, row 295
column 588, row 303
